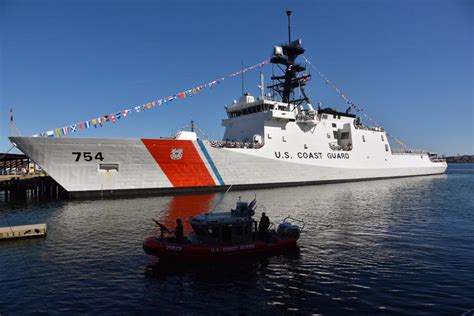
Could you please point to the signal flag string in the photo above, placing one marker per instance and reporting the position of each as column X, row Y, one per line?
column 101, row 120
column 352, row 104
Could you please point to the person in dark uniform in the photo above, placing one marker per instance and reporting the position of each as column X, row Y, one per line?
column 179, row 231
column 263, row 227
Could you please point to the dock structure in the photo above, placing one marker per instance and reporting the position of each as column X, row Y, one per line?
column 40, row 188
column 17, row 164
column 21, row 179
column 23, row 231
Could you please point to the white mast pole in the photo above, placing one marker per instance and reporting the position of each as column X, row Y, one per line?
column 11, row 121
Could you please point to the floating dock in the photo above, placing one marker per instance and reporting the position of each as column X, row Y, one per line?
column 24, row 231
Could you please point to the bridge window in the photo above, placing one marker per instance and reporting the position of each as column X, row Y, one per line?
column 250, row 110
column 386, row 147
column 363, row 138
column 382, row 137
column 334, row 125
column 324, row 117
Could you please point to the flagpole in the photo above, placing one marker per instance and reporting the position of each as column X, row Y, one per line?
column 242, row 75
column 11, row 121
column 222, row 198
column 12, row 124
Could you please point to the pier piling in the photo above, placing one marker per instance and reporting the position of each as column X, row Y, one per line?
column 16, row 189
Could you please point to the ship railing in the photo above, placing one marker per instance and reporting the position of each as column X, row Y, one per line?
column 403, row 151
column 231, row 144
column 437, row 159
column 367, row 128
column 431, row 155
column 337, row 147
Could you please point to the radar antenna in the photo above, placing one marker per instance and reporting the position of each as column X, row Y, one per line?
column 293, row 74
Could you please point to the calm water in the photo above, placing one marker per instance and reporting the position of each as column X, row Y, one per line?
column 400, row 246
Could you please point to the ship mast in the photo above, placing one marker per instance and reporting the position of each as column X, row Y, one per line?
column 288, row 13
column 284, row 57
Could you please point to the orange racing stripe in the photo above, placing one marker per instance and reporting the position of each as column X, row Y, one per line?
column 186, row 171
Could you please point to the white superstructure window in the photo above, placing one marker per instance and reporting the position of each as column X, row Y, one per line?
column 382, row 137
column 363, row 138
column 386, row 147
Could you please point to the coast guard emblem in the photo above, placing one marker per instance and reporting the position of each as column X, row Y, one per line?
column 176, row 153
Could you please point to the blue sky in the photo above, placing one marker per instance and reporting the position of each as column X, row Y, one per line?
column 409, row 64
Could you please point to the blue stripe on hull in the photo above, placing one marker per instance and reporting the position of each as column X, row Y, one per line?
column 211, row 163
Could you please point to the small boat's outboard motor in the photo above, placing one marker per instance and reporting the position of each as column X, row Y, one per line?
column 287, row 229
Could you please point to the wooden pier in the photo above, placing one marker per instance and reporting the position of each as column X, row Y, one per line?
column 44, row 188
column 24, row 231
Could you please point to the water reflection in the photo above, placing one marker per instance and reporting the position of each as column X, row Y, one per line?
column 217, row 269
column 208, row 271
column 185, row 206
column 390, row 245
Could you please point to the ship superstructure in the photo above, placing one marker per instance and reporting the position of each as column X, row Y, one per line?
column 276, row 139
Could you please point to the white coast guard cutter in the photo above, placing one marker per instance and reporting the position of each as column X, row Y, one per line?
column 269, row 141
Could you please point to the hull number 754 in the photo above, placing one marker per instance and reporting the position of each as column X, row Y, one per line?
column 87, row 156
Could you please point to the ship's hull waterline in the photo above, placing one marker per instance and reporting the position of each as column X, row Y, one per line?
column 88, row 167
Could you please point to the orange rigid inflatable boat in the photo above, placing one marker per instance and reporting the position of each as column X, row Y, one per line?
column 226, row 235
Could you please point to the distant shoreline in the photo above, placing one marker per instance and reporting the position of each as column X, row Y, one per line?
column 460, row 159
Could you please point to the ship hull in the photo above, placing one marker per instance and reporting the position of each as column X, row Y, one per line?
column 88, row 167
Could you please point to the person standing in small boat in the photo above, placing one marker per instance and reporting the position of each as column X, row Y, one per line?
column 263, row 227
column 179, row 231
